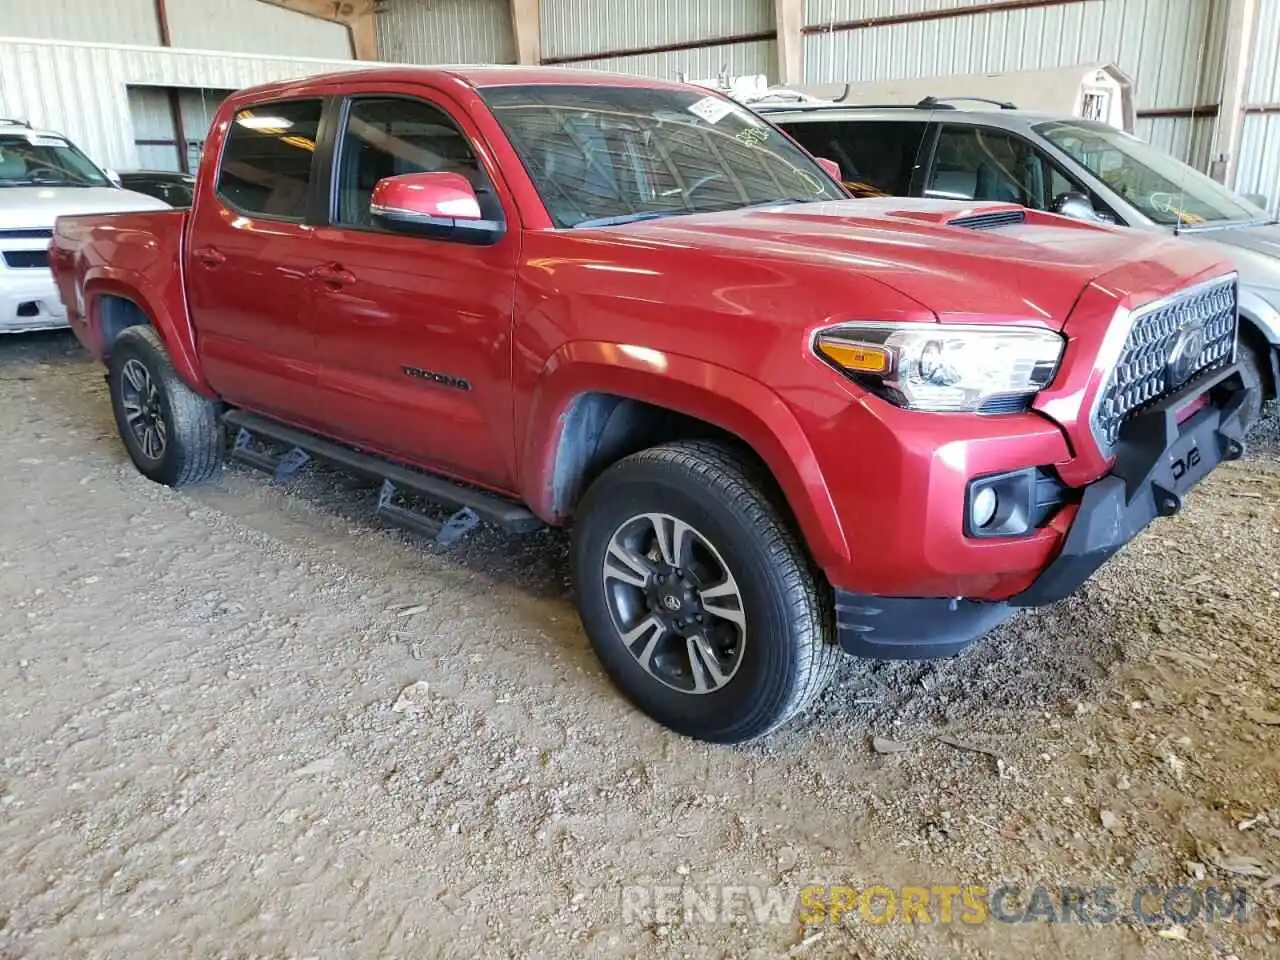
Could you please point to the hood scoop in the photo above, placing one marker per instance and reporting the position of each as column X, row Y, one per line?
column 989, row 221
column 983, row 216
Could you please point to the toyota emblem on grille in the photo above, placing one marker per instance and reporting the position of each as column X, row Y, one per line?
column 1184, row 354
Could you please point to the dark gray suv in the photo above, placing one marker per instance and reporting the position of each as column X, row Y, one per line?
column 1076, row 167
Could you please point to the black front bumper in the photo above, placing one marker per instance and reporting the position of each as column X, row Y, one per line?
column 1158, row 459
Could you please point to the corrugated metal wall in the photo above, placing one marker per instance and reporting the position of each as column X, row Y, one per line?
column 117, row 21
column 149, row 109
column 250, row 26
column 574, row 27
column 245, row 26
column 703, row 63
column 80, row 89
column 446, row 31
column 1161, row 44
column 1259, row 169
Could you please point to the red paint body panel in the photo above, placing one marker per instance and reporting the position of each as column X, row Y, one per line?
column 137, row 256
column 427, row 194
column 710, row 315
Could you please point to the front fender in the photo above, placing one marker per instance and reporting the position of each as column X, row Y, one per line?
column 716, row 395
column 1257, row 310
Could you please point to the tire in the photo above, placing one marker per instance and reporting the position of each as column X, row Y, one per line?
column 768, row 667
column 191, row 445
column 1255, row 377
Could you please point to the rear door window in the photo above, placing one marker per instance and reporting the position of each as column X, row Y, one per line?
column 876, row 158
column 267, row 159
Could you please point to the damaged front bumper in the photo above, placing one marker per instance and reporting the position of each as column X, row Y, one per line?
column 1163, row 452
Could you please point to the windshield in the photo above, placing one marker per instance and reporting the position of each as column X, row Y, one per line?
column 1165, row 189
column 37, row 160
column 601, row 154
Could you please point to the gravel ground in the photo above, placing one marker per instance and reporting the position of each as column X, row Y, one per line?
column 246, row 720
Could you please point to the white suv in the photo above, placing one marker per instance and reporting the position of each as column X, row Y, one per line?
column 43, row 176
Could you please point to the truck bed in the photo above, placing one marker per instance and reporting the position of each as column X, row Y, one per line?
column 117, row 252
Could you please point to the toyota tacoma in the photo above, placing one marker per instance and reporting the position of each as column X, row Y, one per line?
column 780, row 422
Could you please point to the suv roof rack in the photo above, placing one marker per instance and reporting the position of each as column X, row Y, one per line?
column 947, row 102
column 836, row 105
column 15, row 122
column 928, row 103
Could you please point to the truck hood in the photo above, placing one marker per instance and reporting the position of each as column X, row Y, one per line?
column 33, row 208
column 1028, row 272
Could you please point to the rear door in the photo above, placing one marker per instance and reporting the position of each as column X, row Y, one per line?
column 414, row 333
column 877, row 158
column 248, row 286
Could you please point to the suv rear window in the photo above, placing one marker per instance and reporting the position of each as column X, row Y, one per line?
column 266, row 162
column 876, row 158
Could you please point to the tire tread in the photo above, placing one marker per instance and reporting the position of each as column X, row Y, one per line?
column 196, row 434
column 745, row 488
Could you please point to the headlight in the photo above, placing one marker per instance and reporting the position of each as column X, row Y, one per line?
column 951, row 368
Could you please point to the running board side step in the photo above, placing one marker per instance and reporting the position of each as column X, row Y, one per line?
column 471, row 505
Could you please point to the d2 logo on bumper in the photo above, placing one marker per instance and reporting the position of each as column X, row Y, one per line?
column 1181, row 466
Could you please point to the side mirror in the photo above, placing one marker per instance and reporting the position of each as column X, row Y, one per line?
column 1076, row 206
column 1257, row 199
column 439, row 205
column 114, row 178
column 832, row 168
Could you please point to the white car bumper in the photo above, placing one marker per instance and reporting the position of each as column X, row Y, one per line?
column 29, row 300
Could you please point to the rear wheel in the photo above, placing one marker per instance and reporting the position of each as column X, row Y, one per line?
column 697, row 596
column 173, row 434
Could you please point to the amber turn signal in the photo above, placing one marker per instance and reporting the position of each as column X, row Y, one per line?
column 855, row 357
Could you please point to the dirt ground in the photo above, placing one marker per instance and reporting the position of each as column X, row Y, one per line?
column 246, row 720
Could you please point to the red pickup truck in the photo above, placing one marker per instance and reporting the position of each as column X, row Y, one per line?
column 781, row 422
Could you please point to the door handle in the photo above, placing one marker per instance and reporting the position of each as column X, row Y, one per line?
column 209, row 256
column 333, row 275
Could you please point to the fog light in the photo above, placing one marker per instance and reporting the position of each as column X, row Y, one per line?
column 983, row 508
column 1006, row 504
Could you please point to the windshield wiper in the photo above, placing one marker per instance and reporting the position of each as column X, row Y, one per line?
column 782, row 201
column 41, row 182
column 654, row 214
column 628, row 218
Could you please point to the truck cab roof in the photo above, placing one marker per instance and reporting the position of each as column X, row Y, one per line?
column 468, row 75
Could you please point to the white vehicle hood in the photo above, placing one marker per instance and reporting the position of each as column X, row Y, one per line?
column 35, row 208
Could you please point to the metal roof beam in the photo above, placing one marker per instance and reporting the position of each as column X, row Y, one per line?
column 355, row 15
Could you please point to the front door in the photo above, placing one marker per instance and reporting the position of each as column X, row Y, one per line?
column 985, row 163
column 248, row 284
column 414, row 333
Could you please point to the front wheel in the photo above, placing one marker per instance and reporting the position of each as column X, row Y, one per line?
column 173, row 434
column 696, row 594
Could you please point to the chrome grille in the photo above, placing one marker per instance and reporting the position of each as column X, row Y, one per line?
column 1154, row 361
